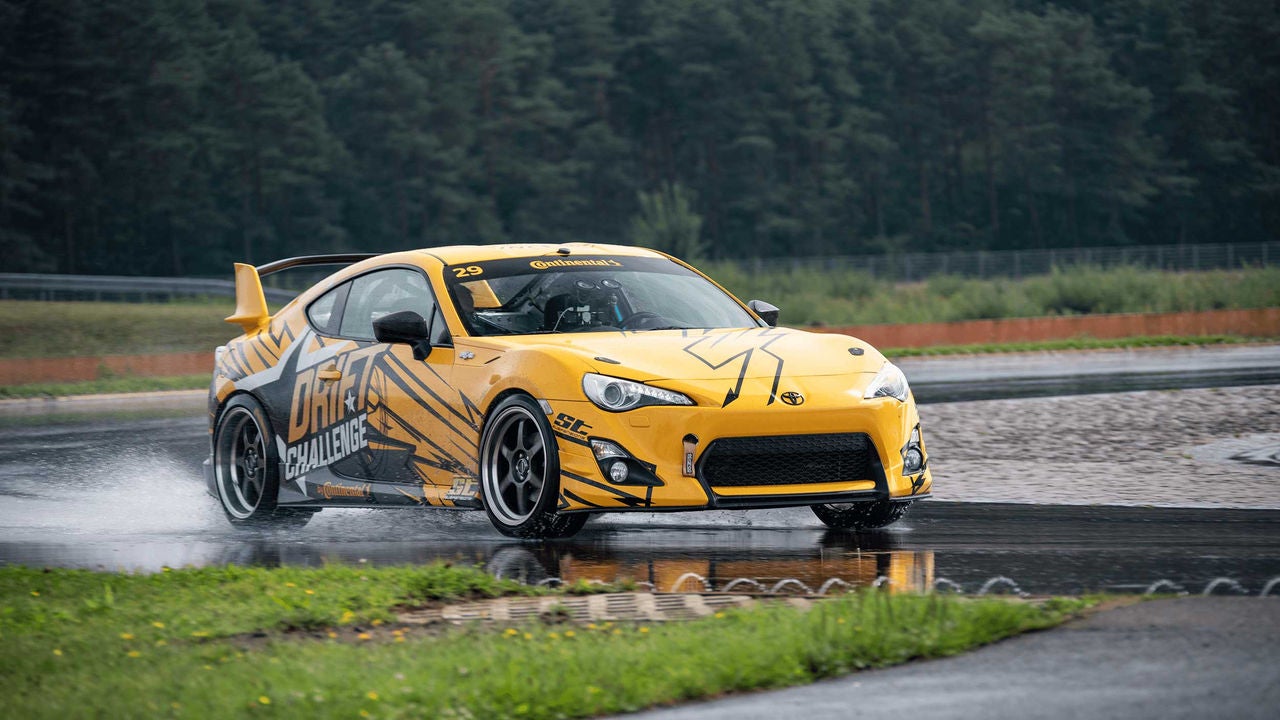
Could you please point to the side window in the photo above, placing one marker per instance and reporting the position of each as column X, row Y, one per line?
column 382, row 293
column 321, row 312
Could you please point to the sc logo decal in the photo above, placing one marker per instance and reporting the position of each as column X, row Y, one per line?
column 572, row 424
column 791, row 397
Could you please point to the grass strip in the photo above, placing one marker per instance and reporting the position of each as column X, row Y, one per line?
column 1080, row 343
column 105, row 386
column 835, row 297
column 207, row 643
column 32, row 329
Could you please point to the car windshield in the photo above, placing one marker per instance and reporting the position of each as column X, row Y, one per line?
column 525, row 296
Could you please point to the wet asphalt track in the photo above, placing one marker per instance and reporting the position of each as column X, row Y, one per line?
column 126, row 493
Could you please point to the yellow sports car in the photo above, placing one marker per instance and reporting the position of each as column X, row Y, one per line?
column 545, row 383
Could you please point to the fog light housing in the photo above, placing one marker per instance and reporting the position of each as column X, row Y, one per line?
column 621, row 467
column 912, row 461
column 618, row 471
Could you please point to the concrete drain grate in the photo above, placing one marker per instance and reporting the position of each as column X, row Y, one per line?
column 648, row 607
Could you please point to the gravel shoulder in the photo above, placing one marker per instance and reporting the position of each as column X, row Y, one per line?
column 1214, row 447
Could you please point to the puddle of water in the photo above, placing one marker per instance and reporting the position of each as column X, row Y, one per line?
column 1261, row 451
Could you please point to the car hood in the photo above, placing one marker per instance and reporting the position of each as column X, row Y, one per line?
column 749, row 353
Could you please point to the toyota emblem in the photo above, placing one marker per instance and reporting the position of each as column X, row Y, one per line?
column 791, row 397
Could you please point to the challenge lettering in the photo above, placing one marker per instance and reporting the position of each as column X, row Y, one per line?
column 326, row 447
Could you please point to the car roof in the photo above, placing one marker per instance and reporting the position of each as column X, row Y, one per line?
column 460, row 254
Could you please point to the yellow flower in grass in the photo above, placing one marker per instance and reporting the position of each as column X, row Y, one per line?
column 364, row 636
column 264, row 700
column 134, row 654
column 348, row 616
column 35, row 593
column 157, row 624
column 372, row 695
column 399, row 638
column 644, row 630
column 333, row 634
column 528, row 636
column 510, row 632
column 569, row 633
column 126, row 636
column 309, row 592
column 289, row 584
column 200, row 634
column 375, row 622
column 57, row 651
column 719, row 616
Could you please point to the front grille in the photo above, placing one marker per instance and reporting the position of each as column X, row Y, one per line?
column 789, row 460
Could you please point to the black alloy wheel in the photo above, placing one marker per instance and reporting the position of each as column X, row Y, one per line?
column 246, row 468
column 520, row 473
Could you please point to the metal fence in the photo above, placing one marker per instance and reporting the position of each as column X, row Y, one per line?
column 908, row 267
column 902, row 267
column 32, row 286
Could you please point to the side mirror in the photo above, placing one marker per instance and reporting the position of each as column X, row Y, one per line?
column 767, row 312
column 406, row 327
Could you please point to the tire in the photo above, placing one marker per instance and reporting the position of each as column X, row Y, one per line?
column 520, row 473
column 246, row 466
column 863, row 515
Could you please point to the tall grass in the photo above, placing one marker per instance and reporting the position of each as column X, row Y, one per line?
column 840, row 297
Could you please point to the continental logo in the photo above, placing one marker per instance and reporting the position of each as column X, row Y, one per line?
column 329, row 490
column 549, row 264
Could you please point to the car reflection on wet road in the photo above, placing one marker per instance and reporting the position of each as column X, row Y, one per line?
column 126, row 493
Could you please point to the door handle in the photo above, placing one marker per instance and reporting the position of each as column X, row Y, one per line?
column 329, row 374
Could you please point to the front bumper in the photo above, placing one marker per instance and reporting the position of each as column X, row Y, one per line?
column 655, row 436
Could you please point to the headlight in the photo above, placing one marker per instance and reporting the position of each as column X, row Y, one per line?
column 889, row 382
column 615, row 394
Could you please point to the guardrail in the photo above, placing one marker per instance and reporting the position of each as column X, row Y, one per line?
column 34, row 286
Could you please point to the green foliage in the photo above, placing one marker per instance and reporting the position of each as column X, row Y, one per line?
column 667, row 222
column 170, row 138
column 208, row 643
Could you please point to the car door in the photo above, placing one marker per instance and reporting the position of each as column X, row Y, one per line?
column 409, row 425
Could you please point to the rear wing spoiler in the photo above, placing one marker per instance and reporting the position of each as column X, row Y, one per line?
column 251, row 303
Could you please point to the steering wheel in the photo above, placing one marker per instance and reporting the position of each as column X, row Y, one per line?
column 637, row 320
